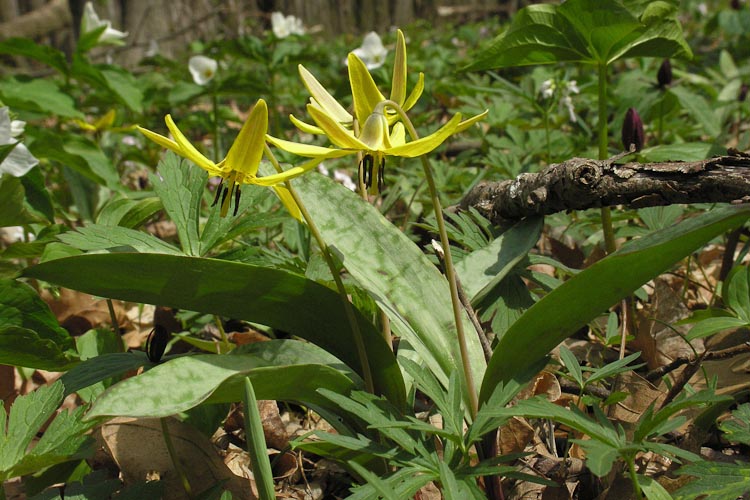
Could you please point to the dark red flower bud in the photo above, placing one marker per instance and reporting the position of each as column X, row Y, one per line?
column 632, row 130
column 735, row 4
column 664, row 76
column 743, row 93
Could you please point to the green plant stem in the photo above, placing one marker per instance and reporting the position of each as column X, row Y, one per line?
column 223, row 334
column 325, row 250
column 215, row 103
column 634, row 478
column 113, row 317
column 450, row 271
column 256, row 445
column 660, row 123
column 175, row 459
column 606, row 214
column 546, row 135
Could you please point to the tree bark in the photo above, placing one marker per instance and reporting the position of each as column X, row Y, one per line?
column 44, row 20
column 581, row 183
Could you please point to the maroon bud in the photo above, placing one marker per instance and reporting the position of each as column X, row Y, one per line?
column 743, row 93
column 664, row 76
column 632, row 130
column 735, row 4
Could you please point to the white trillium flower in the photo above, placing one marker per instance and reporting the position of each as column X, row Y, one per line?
column 19, row 160
column 283, row 26
column 17, row 127
column 91, row 21
column 371, row 52
column 202, row 68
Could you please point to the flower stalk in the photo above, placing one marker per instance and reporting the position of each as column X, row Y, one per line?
column 325, row 250
column 450, row 270
column 606, row 213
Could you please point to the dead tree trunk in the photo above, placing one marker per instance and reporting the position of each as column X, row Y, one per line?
column 581, row 183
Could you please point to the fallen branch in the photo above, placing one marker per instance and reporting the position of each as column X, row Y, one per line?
column 581, row 183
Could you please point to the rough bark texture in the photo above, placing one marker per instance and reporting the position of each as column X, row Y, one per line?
column 46, row 19
column 581, row 183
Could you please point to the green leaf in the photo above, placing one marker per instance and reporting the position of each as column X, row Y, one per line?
column 714, row 480
column 12, row 209
column 256, row 445
column 588, row 294
column 483, row 269
column 286, row 370
column 736, row 292
column 40, row 94
column 128, row 212
column 697, row 106
column 686, row 151
column 737, row 429
column 180, row 185
column 29, row 332
column 394, row 271
column 93, row 370
column 710, row 326
column 95, row 237
column 599, row 456
column 45, row 54
column 63, row 439
column 571, row 363
column 37, row 194
column 125, row 88
column 589, row 31
column 270, row 297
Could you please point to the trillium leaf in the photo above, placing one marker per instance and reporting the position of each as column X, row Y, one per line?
column 589, row 31
column 270, row 297
column 588, row 294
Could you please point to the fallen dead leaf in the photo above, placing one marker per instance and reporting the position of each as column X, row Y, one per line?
column 137, row 447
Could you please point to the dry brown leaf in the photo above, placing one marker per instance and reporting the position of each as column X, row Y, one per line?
column 79, row 312
column 137, row 447
column 641, row 393
column 514, row 436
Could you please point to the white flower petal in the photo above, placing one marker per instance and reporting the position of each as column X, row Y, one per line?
column 202, row 68
column 372, row 52
column 18, row 162
column 90, row 21
column 17, row 127
column 283, row 26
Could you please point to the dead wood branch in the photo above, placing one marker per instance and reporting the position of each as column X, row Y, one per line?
column 581, row 183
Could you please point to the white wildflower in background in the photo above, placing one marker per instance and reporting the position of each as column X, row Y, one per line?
column 565, row 89
column 345, row 179
column 91, row 21
column 202, row 68
column 19, row 160
column 283, row 26
column 371, row 52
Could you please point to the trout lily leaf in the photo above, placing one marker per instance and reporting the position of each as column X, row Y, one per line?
column 241, row 163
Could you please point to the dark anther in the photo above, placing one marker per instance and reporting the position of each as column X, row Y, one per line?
column 156, row 343
column 236, row 201
column 368, row 162
column 218, row 193
column 224, row 194
column 381, row 174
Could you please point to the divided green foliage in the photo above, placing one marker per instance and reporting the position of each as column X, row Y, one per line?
column 271, row 297
column 29, row 333
column 63, row 440
column 589, row 293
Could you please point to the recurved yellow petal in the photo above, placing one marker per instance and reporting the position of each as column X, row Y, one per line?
column 307, row 150
column 160, row 140
column 247, row 150
column 364, row 91
column 305, row 127
column 272, row 180
column 426, row 144
column 323, row 98
column 398, row 83
column 288, row 201
column 187, row 150
column 415, row 94
column 336, row 132
column 471, row 121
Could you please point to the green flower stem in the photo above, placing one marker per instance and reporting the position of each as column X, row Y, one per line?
column 348, row 308
column 256, row 445
column 215, row 103
column 224, row 339
column 175, row 458
column 609, row 233
column 634, row 477
column 113, row 317
column 450, row 271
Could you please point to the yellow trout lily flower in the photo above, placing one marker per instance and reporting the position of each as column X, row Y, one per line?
column 241, row 163
column 376, row 140
column 364, row 91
